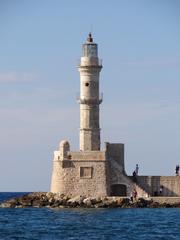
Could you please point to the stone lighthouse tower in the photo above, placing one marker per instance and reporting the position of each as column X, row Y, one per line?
column 89, row 68
column 91, row 171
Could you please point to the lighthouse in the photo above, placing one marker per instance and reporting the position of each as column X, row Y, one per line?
column 89, row 67
column 90, row 171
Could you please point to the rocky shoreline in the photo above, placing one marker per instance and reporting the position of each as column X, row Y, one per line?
column 55, row 200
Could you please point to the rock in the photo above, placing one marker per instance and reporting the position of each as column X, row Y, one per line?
column 50, row 195
column 56, row 200
column 12, row 203
column 26, row 203
column 176, row 205
column 154, row 205
column 142, row 203
column 87, row 202
column 54, row 204
column 123, row 202
column 120, row 202
column 100, row 205
column 64, row 200
column 36, row 203
column 6, row 205
column 167, row 205
column 95, row 201
column 78, row 200
column 58, row 196
column 110, row 202
column 51, row 200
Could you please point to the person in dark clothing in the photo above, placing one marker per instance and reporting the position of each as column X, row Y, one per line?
column 137, row 169
column 177, row 170
column 134, row 176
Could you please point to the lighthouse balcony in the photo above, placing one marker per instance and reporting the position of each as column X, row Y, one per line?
column 89, row 100
column 90, row 62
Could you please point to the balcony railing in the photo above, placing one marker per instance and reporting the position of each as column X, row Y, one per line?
column 89, row 100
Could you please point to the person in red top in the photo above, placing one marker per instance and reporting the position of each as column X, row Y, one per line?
column 134, row 194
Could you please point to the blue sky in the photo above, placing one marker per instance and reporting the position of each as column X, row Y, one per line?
column 40, row 44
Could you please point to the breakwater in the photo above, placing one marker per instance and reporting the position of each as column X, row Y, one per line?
column 55, row 200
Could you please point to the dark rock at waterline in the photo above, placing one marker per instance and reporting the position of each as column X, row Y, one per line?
column 55, row 200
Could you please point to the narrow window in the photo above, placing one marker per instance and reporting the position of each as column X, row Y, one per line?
column 86, row 172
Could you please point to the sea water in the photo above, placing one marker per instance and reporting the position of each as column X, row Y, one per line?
column 85, row 224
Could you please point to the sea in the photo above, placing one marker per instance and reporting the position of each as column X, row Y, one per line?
column 87, row 224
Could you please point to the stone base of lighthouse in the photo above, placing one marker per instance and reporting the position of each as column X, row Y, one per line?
column 101, row 173
column 90, row 173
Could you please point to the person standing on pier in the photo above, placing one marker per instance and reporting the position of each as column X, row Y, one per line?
column 177, row 170
column 137, row 169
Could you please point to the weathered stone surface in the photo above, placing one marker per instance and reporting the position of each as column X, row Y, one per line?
column 69, row 180
column 151, row 184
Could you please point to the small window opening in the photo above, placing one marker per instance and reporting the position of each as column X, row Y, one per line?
column 87, row 84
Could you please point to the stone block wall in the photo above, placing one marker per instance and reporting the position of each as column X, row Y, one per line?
column 82, row 176
column 87, row 155
column 170, row 185
column 89, row 173
column 115, row 151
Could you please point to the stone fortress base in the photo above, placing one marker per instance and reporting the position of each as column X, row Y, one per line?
column 102, row 173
